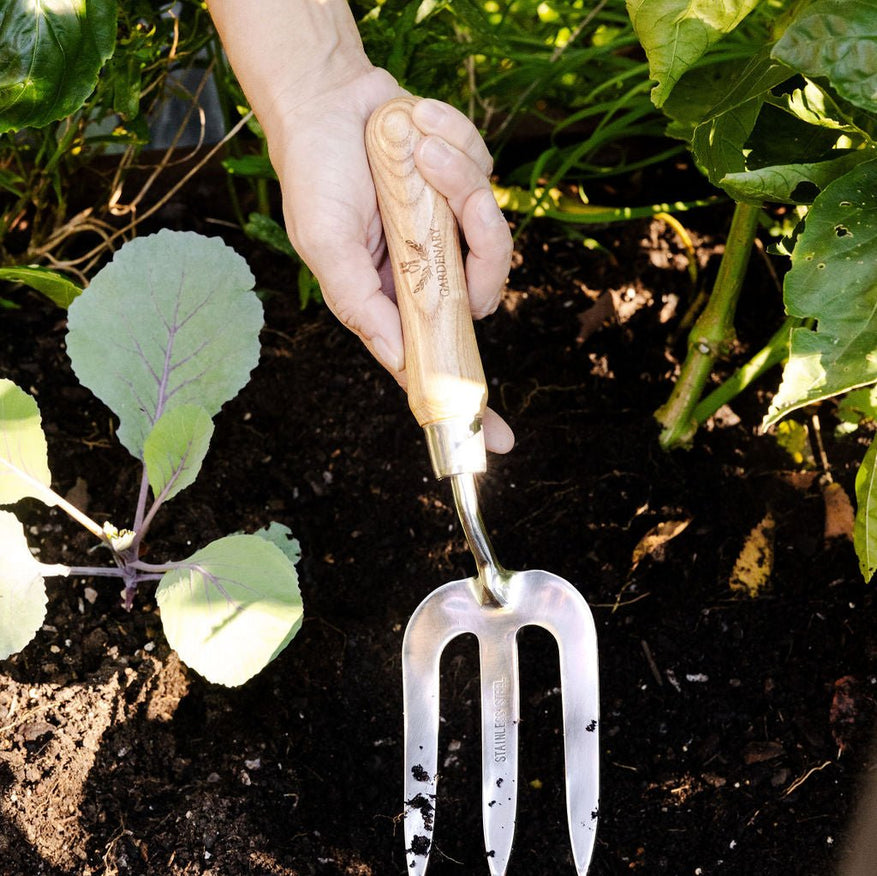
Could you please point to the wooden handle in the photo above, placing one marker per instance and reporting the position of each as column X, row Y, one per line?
column 445, row 377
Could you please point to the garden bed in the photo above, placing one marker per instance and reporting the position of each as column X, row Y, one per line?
column 722, row 718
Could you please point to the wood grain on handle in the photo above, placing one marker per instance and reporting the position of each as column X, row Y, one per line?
column 445, row 377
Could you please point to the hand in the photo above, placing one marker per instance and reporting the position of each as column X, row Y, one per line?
column 333, row 222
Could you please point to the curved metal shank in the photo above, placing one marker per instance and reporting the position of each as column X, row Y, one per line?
column 491, row 576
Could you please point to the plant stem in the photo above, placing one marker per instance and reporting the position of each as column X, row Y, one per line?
column 92, row 572
column 712, row 333
column 772, row 353
column 49, row 497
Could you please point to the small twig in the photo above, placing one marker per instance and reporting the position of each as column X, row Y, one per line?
column 651, row 661
column 94, row 254
column 816, row 432
column 801, row 779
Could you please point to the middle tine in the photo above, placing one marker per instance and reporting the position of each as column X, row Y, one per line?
column 500, row 714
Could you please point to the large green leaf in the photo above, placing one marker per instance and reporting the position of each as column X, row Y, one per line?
column 791, row 183
column 865, row 530
column 836, row 40
column 171, row 321
column 231, row 608
column 50, row 57
column 719, row 142
column 22, row 589
column 24, row 460
column 834, row 279
column 56, row 287
column 677, row 33
column 175, row 449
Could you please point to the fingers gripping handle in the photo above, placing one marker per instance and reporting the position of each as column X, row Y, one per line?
column 446, row 387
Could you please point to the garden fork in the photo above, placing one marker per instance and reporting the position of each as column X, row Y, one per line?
column 447, row 393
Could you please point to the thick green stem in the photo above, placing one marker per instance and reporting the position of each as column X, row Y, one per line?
column 713, row 332
column 772, row 353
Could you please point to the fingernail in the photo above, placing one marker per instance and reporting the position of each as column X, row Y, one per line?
column 429, row 113
column 389, row 358
column 488, row 210
column 435, row 153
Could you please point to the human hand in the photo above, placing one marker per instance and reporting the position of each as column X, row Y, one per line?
column 332, row 217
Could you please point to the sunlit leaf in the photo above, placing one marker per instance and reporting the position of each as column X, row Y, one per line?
column 50, row 57
column 231, row 607
column 836, row 40
column 171, row 321
column 24, row 460
column 677, row 33
column 56, row 287
column 834, row 279
column 22, row 589
column 175, row 449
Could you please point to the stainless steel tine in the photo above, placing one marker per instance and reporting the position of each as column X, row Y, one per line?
column 566, row 615
column 438, row 619
column 500, row 716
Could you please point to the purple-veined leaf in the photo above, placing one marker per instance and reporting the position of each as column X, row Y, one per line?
column 171, row 321
column 175, row 449
column 231, row 608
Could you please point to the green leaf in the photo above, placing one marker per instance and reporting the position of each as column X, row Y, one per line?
column 253, row 166
column 175, row 449
column 171, row 321
column 281, row 535
column 24, row 459
column 22, row 589
column 125, row 79
column 231, row 608
column 865, row 529
column 791, row 183
column 833, row 279
column 719, row 141
column 56, row 287
column 50, row 57
column 836, row 40
column 264, row 229
column 855, row 408
column 677, row 33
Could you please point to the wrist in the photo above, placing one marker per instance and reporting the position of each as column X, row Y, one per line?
column 288, row 52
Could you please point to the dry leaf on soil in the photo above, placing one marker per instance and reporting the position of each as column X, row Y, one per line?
column 652, row 543
column 840, row 518
column 754, row 565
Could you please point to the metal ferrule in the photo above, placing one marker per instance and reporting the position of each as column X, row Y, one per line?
column 456, row 447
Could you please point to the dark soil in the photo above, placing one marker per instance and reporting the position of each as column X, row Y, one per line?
column 735, row 731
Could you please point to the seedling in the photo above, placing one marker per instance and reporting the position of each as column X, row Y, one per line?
column 164, row 335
